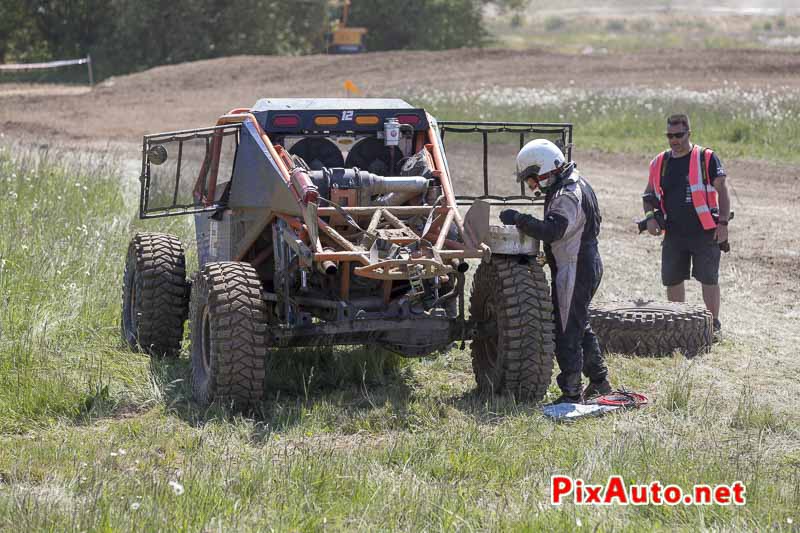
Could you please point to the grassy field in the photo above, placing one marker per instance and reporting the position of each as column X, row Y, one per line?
column 93, row 437
column 756, row 124
column 586, row 28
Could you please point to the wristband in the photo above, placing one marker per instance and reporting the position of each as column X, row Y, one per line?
column 723, row 222
column 649, row 215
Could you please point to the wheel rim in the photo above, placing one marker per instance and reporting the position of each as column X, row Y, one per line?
column 490, row 342
column 205, row 344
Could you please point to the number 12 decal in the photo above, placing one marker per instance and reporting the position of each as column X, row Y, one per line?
column 347, row 115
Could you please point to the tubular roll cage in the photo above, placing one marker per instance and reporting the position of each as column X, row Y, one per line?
column 441, row 217
column 441, row 258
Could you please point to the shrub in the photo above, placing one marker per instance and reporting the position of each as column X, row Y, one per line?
column 420, row 24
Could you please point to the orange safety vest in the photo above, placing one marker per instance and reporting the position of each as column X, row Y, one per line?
column 704, row 195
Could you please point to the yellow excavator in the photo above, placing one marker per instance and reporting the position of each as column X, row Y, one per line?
column 344, row 39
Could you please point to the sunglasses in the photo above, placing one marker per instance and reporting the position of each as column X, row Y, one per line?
column 678, row 135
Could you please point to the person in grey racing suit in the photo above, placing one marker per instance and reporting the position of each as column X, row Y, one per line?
column 569, row 232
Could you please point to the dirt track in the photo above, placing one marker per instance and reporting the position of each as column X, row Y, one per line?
column 759, row 279
column 122, row 109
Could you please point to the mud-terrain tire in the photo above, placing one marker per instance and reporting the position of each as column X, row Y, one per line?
column 228, row 321
column 155, row 294
column 513, row 301
column 652, row 328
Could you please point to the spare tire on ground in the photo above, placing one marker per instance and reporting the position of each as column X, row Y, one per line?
column 652, row 328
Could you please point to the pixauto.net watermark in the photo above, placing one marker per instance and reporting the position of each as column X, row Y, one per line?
column 564, row 489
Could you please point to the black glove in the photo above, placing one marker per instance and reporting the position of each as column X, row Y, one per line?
column 509, row 216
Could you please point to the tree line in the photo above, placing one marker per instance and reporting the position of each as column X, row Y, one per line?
column 131, row 35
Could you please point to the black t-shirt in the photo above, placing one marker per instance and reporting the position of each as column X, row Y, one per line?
column 681, row 216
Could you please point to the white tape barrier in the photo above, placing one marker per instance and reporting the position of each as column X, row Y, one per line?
column 22, row 67
column 50, row 64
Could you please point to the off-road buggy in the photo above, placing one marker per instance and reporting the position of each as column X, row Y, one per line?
column 333, row 222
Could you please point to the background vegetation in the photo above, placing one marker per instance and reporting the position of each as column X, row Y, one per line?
column 126, row 35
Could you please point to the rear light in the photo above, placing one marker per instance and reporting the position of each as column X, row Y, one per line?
column 368, row 120
column 286, row 121
column 412, row 120
column 326, row 120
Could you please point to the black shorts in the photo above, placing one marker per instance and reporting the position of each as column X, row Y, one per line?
column 679, row 252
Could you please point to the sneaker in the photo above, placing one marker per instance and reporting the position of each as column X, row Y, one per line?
column 595, row 389
column 566, row 399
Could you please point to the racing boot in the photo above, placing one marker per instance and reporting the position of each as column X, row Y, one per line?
column 595, row 389
column 567, row 399
column 571, row 388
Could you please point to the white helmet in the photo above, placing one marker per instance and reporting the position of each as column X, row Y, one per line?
column 537, row 158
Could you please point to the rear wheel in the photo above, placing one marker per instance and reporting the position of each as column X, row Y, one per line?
column 652, row 328
column 155, row 294
column 228, row 334
column 515, row 345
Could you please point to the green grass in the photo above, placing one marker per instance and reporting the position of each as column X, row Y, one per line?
column 61, row 234
column 753, row 124
column 573, row 27
column 95, row 438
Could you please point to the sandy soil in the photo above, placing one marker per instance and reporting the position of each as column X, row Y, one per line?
column 760, row 278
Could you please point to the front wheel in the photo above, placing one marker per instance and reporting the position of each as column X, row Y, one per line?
column 155, row 294
column 514, row 350
column 228, row 334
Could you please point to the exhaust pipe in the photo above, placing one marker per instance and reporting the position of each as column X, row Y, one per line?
column 328, row 267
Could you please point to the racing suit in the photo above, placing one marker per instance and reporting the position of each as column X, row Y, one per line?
column 569, row 233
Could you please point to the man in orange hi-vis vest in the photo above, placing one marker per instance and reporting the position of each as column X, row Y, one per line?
column 687, row 184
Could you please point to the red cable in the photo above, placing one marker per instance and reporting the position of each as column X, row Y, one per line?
column 622, row 399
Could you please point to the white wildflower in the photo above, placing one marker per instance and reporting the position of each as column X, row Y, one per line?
column 135, row 506
column 177, row 488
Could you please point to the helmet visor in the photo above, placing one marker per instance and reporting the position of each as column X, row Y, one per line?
column 529, row 172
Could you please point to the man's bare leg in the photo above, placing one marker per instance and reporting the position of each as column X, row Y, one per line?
column 677, row 293
column 711, row 298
